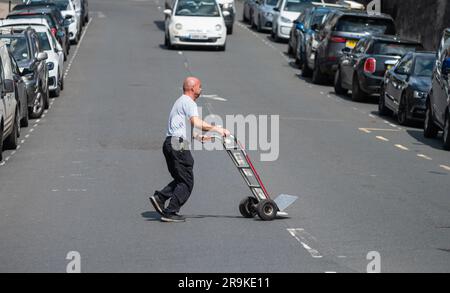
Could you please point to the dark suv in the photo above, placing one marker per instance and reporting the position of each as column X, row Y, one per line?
column 438, row 103
column 26, row 49
column 344, row 28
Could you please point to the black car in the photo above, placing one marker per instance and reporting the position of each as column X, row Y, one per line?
column 406, row 86
column 58, row 25
column 343, row 28
column 84, row 12
column 362, row 68
column 25, row 48
column 437, row 115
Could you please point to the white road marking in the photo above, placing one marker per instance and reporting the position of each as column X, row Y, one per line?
column 401, row 147
column 382, row 138
column 371, row 116
column 13, row 153
column 297, row 234
column 424, row 157
column 27, row 136
column 330, row 272
column 31, row 130
column 77, row 48
column 365, row 130
column 2, row 163
column 445, row 167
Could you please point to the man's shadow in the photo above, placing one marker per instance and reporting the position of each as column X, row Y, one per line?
column 153, row 216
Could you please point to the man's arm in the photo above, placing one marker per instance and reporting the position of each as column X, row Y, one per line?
column 204, row 126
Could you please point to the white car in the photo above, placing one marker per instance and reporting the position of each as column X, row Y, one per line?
column 9, row 109
column 284, row 15
column 49, row 44
column 195, row 23
column 71, row 10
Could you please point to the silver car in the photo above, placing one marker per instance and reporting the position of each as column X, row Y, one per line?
column 263, row 14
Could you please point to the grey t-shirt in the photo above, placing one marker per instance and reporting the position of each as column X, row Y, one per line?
column 183, row 110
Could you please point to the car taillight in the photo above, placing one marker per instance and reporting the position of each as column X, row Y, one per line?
column 370, row 66
column 338, row 40
column 53, row 30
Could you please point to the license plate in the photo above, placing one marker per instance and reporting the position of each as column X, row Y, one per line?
column 198, row 37
column 351, row 44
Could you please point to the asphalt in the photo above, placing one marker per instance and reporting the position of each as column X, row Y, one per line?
column 81, row 178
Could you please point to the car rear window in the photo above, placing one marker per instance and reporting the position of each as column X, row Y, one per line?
column 394, row 49
column 355, row 24
column 49, row 19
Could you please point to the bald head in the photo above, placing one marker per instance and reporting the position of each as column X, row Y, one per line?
column 192, row 87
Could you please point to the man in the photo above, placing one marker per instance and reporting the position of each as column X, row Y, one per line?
column 178, row 156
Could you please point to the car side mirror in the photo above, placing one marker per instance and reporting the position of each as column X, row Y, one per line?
column 226, row 13
column 8, row 86
column 42, row 56
column 276, row 9
column 168, row 12
column 300, row 26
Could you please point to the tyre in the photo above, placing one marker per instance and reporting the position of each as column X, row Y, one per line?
column 338, row 89
column 306, row 71
column 446, row 145
column 317, row 75
column 402, row 117
column 259, row 26
column 382, row 109
column 1, row 142
column 47, row 99
column 230, row 30
column 56, row 93
column 12, row 141
column 62, row 82
column 37, row 109
column 357, row 93
column 247, row 207
column 222, row 48
column 267, row 210
column 430, row 129
column 24, row 122
column 168, row 43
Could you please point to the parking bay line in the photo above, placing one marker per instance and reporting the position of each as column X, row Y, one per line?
column 402, row 147
column 297, row 234
column 445, row 167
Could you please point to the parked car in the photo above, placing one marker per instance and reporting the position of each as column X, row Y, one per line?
column 230, row 6
column 247, row 13
column 9, row 108
column 58, row 25
column 406, row 86
column 262, row 17
column 302, row 33
column 343, row 28
column 437, row 115
column 84, row 12
column 362, row 68
column 26, row 49
column 196, row 23
column 21, row 92
column 285, row 13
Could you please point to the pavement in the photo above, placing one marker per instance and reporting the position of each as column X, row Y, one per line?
column 81, row 178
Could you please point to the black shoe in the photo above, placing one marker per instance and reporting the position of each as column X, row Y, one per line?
column 173, row 218
column 158, row 204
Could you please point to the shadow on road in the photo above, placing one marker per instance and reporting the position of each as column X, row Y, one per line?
column 418, row 135
column 160, row 25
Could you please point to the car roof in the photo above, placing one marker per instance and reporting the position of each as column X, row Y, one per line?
column 360, row 13
column 34, row 5
column 393, row 39
column 44, row 10
column 23, row 21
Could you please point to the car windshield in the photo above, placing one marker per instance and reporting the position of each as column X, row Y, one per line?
column 17, row 46
column 45, row 42
column 21, row 16
column 394, row 49
column 197, row 8
column 354, row 24
column 62, row 4
column 271, row 2
column 424, row 66
column 297, row 5
column 319, row 18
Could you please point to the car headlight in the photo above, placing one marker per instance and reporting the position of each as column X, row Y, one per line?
column 420, row 95
column 218, row 27
column 285, row 20
column 269, row 14
column 178, row 26
column 50, row 65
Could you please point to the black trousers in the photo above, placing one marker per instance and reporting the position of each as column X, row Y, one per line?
column 180, row 164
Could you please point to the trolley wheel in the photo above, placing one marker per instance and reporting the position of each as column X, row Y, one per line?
column 247, row 207
column 267, row 210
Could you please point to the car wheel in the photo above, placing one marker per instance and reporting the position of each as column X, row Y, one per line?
column 306, row 71
column 12, row 141
column 317, row 75
column 24, row 122
column 357, row 93
column 382, row 109
column 259, row 25
column 1, row 142
column 222, row 48
column 430, row 129
column 62, row 82
column 37, row 109
column 446, row 145
column 338, row 89
column 168, row 43
column 47, row 99
column 230, row 30
column 402, row 111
